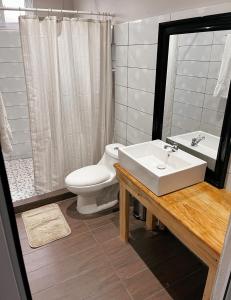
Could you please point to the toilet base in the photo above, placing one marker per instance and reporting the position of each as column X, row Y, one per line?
column 94, row 202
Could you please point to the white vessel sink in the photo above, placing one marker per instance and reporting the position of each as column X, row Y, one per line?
column 206, row 149
column 146, row 160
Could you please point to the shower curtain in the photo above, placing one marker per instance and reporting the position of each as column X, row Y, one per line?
column 69, row 86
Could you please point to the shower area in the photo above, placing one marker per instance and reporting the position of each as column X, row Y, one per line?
column 19, row 163
column 59, row 110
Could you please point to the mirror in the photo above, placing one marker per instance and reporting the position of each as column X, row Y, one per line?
column 192, row 102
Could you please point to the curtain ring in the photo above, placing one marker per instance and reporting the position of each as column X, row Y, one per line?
column 76, row 15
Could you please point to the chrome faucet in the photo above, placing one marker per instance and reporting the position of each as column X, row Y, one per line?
column 196, row 140
column 174, row 147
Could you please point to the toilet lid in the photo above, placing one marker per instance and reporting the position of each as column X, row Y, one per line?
column 89, row 175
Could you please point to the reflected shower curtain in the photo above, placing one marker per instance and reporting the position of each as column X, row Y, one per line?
column 69, row 86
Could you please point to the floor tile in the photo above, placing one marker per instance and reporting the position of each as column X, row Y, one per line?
column 142, row 285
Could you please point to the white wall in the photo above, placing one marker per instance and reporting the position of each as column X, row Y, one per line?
column 13, row 88
column 67, row 4
column 134, row 58
column 138, row 9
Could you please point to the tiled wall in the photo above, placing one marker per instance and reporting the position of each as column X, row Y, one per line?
column 197, row 67
column 134, row 57
column 135, row 74
column 13, row 88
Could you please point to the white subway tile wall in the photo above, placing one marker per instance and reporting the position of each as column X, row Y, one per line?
column 13, row 88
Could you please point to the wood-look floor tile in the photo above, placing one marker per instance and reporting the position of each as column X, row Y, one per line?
column 105, row 232
column 82, row 287
column 71, row 266
column 124, row 259
column 161, row 295
column 101, row 219
column 93, row 264
column 58, row 251
column 191, row 287
column 176, row 268
column 142, row 285
column 116, row 292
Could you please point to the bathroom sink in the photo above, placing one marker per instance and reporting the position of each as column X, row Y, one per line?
column 206, row 149
column 162, row 170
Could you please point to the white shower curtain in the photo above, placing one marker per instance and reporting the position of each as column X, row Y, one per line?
column 69, row 86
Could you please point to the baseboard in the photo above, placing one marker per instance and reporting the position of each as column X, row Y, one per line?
column 39, row 200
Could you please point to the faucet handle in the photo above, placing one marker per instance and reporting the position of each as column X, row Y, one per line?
column 175, row 146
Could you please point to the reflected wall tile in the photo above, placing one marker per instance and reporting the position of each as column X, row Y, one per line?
column 187, row 110
column 215, row 103
column 220, row 36
column 193, row 68
column 217, row 52
column 210, row 129
column 214, row 69
column 210, row 86
column 212, row 117
column 185, row 123
column 189, row 97
column 177, row 131
column 197, row 38
column 198, row 53
column 190, row 83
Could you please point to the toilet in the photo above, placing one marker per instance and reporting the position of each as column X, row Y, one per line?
column 96, row 186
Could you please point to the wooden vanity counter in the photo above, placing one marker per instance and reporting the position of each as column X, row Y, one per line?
column 197, row 215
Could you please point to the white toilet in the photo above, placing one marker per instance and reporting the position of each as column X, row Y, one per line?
column 96, row 185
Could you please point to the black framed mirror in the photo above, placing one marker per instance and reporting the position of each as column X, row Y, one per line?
column 184, row 109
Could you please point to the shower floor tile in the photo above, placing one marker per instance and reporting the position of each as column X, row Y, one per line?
column 20, row 175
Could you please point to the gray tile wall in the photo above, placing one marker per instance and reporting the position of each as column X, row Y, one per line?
column 13, row 88
column 198, row 65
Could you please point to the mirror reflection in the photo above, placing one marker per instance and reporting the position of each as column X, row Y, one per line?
column 198, row 78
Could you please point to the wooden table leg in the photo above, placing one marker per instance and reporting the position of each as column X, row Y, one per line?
column 124, row 213
column 209, row 283
column 150, row 221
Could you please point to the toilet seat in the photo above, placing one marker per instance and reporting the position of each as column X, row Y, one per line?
column 88, row 176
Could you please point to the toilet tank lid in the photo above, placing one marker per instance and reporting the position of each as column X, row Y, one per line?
column 112, row 149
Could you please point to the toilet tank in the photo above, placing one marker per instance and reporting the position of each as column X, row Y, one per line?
column 110, row 156
column 112, row 150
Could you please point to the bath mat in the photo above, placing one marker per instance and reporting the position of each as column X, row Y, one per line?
column 44, row 225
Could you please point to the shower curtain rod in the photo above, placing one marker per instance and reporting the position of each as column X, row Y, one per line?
column 51, row 10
